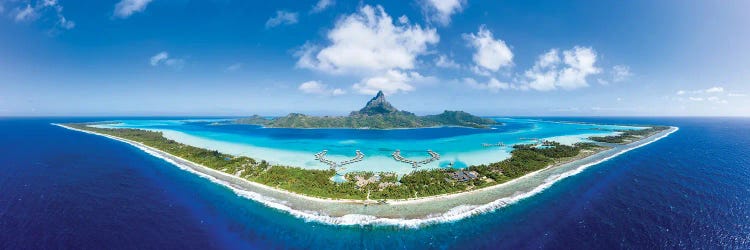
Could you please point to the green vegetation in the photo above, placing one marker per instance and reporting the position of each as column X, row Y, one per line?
column 627, row 136
column 304, row 181
column 400, row 119
column 524, row 159
column 378, row 114
column 527, row 158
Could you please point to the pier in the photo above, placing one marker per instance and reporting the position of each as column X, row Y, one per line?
column 499, row 144
column 320, row 156
column 415, row 164
column 538, row 141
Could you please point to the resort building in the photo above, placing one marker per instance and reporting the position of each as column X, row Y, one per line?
column 463, row 175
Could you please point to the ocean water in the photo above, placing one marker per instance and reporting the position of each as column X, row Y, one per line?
column 295, row 147
column 66, row 189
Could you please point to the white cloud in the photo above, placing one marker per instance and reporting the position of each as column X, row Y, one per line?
column 392, row 81
column 162, row 58
column 322, row 5
column 714, row 95
column 441, row 11
column 715, row 90
column 125, row 8
column 65, row 23
column 492, row 84
column 31, row 12
column 26, row 14
column 445, row 62
column 569, row 72
column 312, row 87
column 580, row 63
column 318, row 88
column 716, row 99
column 282, row 18
column 158, row 58
column 49, row 3
column 620, row 73
column 367, row 42
column 543, row 76
column 338, row 91
column 490, row 54
column 233, row 67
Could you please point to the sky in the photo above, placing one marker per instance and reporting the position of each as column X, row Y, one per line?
column 328, row 57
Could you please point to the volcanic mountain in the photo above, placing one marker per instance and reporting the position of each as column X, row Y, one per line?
column 378, row 113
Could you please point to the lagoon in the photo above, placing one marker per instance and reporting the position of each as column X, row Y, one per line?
column 457, row 146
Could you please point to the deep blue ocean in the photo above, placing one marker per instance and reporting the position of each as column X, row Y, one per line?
column 65, row 189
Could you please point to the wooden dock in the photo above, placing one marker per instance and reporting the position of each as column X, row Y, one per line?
column 415, row 164
column 320, row 156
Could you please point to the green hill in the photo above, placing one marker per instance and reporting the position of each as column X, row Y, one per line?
column 377, row 114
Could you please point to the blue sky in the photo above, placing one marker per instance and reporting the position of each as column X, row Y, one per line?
column 223, row 57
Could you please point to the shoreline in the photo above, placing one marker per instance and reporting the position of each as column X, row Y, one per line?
column 422, row 210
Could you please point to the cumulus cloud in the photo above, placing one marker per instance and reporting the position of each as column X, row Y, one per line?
column 490, row 53
column 368, row 41
column 162, row 58
column 282, row 18
column 441, row 11
column 392, row 81
column 369, row 44
column 570, row 71
column 492, row 84
column 322, row 5
column 30, row 12
column 318, row 88
column 443, row 61
column 125, row 8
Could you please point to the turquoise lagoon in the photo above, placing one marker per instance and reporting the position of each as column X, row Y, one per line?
column 458, row 147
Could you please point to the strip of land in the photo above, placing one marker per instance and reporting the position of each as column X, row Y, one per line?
column 365, row 186
column 273, row 186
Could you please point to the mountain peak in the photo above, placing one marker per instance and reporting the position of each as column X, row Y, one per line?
column 378, row 105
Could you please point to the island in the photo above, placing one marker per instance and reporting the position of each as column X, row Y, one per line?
column 302, row 189
column 377, row 114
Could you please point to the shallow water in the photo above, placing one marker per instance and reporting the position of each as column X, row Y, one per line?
column 66, row 189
